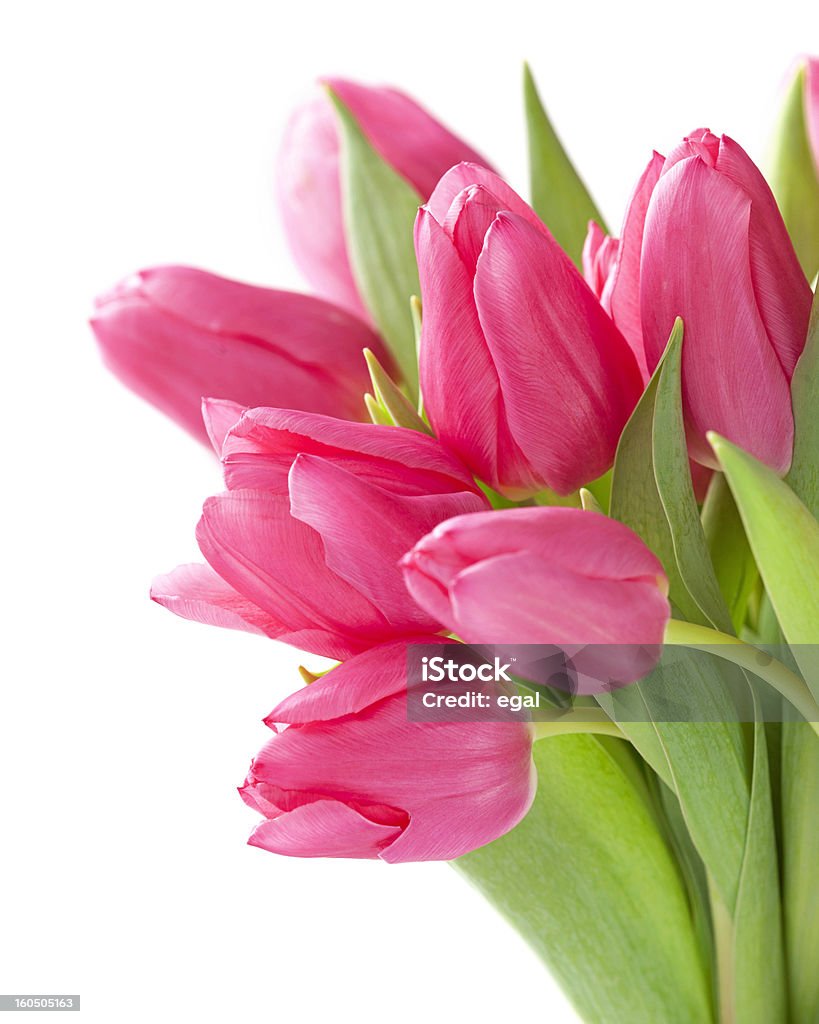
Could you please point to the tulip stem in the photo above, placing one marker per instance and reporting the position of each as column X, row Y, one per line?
column 589, row 720
column 730, row 648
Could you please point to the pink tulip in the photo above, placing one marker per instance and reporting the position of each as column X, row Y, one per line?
column 309, row 188
column 704, row 240
column 305, row 544
column 351, row 776
column 553, row 576
column 175, row 334
column 524, row 376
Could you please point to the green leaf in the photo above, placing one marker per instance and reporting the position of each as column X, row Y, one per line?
column 379, row 214
column 391, row 400
column 589, row 881
column 558, row 194
column 703, row 759
column 652, row 493
column 793, row 176
column 800, row 825
column 784, row 538
column 758, row 968
column 803, row 477
column 588, row 502
column 731, row 554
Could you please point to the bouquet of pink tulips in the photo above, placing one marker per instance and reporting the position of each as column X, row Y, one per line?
column 569, row 569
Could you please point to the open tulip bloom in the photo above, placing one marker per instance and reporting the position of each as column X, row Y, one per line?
column 547, row 498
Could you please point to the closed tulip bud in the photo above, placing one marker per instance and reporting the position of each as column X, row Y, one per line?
column 547, row 576
column 175, row 335
column 417, row 146
column 705, row 241
column 523, row 373
column 305, row 544
column 351, row 776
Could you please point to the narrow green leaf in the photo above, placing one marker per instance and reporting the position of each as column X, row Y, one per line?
column 558, row 194
column 390, row 398
column 731, row 555
column 759, row 965
column 800, row 825
column 378, row 414
column 676, row 490
column 793, row 176
column 784, row 538
column 379, row 213
column 653, row 494
column 588, row 502
column 589, row 881
column 803, row 477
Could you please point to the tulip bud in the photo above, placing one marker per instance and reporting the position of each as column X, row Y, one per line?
column 523, row 374
column 417, row 146
column 175, row 334
column 553, row 576
column 350, row 776
column 305, row 543
column 716, row 253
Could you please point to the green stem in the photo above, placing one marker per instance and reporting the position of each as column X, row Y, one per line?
column 592, row 720
column 777, row 675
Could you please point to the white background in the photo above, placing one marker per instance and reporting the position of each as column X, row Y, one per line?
column 145, row 132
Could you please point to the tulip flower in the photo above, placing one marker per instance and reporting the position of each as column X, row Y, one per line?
column 547, row 576
column 417, row 146
column 351, row 776
column 174, row 335
column 305, row 544
column 704, row 240
column 524, row 375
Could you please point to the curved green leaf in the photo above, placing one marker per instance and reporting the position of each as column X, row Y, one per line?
column 590, row 882
column 793, row 176
column 379, row 214
column 558, row 194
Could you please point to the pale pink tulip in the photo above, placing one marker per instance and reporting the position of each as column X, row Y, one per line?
column 351, row 776
column 309, row 189
column 175, row 334
column 524, row 375
column 305, row 544
column 553, row 576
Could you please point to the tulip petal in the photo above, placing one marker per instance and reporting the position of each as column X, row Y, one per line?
column 782, row 291
column 323, row 828
column 336, row 503
column 812, row 106
column 196, row 592
column 559, row 606
column 621, row 296
column 253, row 542
column 220, row 415
column 466, row 175
column 453, row 348
column 353, row 686
column 260, row 449
column 572, row 375
column 696, row 264
column 411, row 140
column 309, row 199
